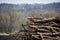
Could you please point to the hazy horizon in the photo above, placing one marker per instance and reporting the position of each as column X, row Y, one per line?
column 28, row 1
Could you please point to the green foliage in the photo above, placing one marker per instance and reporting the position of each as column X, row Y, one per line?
column 44, row 14
column 49, row 13
column 34, row 13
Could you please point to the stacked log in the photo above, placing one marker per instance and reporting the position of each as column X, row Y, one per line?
column 45, row 28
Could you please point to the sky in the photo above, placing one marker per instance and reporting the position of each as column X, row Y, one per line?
column 28, row 1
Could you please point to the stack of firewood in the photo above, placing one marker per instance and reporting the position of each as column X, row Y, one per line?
column 44, row 28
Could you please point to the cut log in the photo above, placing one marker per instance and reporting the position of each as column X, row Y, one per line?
column 45, row 20
column 36, row 36
column 58, row 33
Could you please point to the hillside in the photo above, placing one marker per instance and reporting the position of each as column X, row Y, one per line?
column 28, row 7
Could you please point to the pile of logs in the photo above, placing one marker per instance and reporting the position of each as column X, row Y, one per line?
column 44, row 28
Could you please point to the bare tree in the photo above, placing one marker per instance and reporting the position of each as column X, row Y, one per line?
column 10, row 22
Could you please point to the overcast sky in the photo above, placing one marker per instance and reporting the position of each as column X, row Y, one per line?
column 28, row 1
